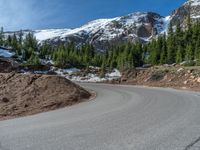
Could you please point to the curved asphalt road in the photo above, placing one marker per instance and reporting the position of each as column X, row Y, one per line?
column 120, row 118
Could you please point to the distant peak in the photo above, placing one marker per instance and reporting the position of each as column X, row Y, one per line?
column 193, row 2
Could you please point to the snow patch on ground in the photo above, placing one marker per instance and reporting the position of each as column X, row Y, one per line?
column 71, row 74
column 6, row 53
column 114, row 73
column 66, row 72
column 46, row 62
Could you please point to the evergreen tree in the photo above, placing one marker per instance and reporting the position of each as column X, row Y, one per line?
column 198, row 60
column 171, row 49
column 179, row 55
column 188, row 55
column 9, row 41
column 15, row 44
column 34, row 60
column 103, row 69
column 1, row 37
column 189, row 24
column 163, row 57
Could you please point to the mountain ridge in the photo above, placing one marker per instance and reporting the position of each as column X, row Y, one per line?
column 134, row 27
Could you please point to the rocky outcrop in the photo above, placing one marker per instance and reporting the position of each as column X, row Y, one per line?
column 191, row 7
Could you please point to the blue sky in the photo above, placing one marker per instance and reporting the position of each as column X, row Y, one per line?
column 42, row 14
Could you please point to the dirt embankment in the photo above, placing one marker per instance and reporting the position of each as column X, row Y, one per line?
column 8, row 65
column 22, row 95
column 164, row 76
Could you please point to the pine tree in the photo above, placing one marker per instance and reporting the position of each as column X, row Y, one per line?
column 34, row 60
column 9, row 40
column 189, row 55
column 15, row 44
column 44, row 52
column 179, row 55
column 198, row 60
column 197, row 48
column 30, row 42
column 1, row 37
column 189, row 24
column 171, row 50
column 103, row 69
column 163, row 56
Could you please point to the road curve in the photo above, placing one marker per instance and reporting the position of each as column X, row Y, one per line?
column 120, row 118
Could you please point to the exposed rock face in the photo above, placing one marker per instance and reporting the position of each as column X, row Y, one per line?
column 191, row 7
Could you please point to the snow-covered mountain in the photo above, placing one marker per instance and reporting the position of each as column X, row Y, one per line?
column 139, row 26
column 104, row 32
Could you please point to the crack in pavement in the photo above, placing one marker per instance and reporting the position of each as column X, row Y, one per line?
column 192, row 144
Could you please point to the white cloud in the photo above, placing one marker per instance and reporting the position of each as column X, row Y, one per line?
column 15, row 14
column 23, row 14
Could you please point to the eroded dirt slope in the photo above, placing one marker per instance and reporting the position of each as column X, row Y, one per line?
column 29, row 94
column 160, row 76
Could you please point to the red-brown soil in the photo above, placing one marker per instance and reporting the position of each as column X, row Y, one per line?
column 22, row 95
column 178, row 77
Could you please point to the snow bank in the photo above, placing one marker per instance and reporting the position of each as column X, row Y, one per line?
column 6, row 53
column 71, row 71
column 90, row 77
column 65, row 72
column 114, row 74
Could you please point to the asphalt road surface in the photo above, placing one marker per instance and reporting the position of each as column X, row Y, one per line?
column 120, row 118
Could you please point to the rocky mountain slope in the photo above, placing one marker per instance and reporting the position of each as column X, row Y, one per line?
column 133, row 27
column 139, row 26
column 191, row 7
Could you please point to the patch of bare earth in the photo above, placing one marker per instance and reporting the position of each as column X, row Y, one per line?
column 177, row 77
column 22, row 95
